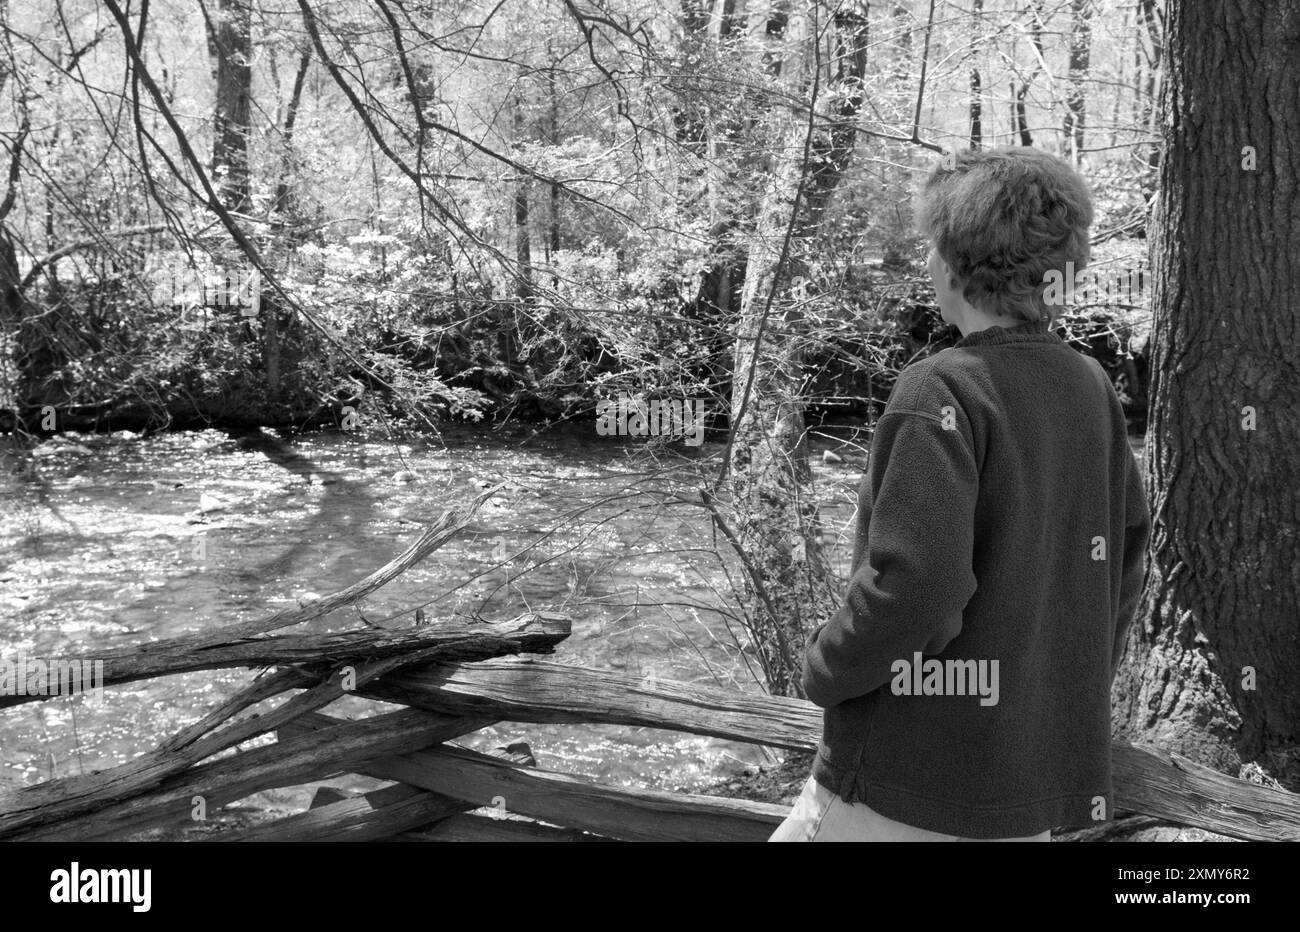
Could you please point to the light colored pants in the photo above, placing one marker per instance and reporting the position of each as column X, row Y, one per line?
column 820, row 815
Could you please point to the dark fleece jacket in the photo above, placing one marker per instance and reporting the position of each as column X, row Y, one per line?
column 1002, row 518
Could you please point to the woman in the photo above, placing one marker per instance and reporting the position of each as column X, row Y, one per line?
column 1000, row 539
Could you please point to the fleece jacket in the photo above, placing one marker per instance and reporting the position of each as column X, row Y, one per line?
column 998, row 559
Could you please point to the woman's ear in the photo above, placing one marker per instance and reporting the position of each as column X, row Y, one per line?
column 945, row 270
column 955, row 284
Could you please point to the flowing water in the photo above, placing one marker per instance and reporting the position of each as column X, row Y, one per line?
column 116, row 540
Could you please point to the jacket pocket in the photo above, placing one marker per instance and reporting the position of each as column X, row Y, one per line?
column 846, row 731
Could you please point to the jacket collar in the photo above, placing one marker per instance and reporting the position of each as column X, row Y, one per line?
column 1037, row 331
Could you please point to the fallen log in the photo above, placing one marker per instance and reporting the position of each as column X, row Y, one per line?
column 630, row 814
column 1147, row 781
column 535, row 632
column 378, row 814
column 62, row 799
column 1153, row 782
column 304, row 759
column 545, row 692
column 374, row 815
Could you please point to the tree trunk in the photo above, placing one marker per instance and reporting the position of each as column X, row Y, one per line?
column 281, row 331
column 1120, row 78
column 1212, row 666
column 29, row 359
column 976, row 84
column 1149, row 113
column 523, row 245
column 515, row 322
column 231, row 39
column 1080, row 52
column 776, row 516
column 553, row 220
column 285, row 195
column 717, row 138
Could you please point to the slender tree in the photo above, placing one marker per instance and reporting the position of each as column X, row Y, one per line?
column 1150, row 60
column 775, row 506
column 230, row 32
column 1075, row 98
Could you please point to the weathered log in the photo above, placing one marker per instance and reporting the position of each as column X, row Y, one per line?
column 550, row 693
column 629, row 814
column 378, row 814
column 1153, row 782
column 62, row 799
column 307, row 758
column 1147, row 781
column 531, row 632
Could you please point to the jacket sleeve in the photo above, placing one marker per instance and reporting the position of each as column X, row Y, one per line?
column 1137, row 532
column 912, row 574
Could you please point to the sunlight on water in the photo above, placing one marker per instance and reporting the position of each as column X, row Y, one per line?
column 120, row 540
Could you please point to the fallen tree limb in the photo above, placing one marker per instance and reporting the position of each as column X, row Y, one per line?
column 62, row 799
column 228, row 644
column 1153, row 782
column 447, row 526
column 1147, row 781
column 378, row 814
column 563, row 799
column 552, row 693
column 319, row 755
column 532, row 632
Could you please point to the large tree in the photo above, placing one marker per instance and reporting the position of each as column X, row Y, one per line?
column 1212, row 666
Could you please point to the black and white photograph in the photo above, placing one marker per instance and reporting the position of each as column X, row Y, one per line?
column 445, row 421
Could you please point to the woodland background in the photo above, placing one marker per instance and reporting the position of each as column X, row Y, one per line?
column 489, row 212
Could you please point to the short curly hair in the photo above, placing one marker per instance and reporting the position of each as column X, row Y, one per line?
column 1002, row 219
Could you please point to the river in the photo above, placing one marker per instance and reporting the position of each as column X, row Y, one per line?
column 120, row 539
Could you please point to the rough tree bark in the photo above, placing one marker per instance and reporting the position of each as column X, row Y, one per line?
column 1212, row 666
